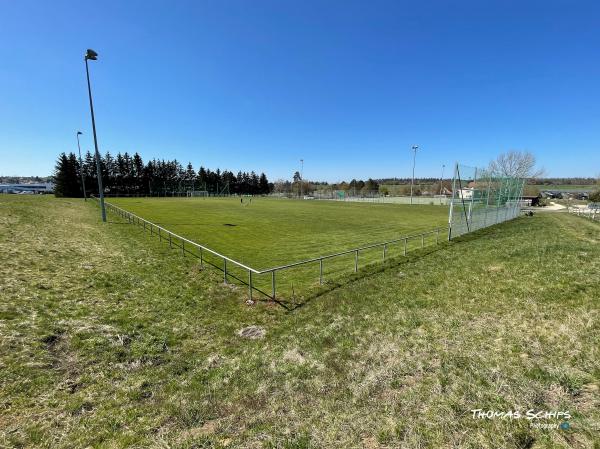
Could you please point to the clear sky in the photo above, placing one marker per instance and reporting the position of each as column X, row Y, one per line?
column 348, row 86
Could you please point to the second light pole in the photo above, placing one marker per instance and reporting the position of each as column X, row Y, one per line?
column 81, row 166
column 412, row 182
column 301, row 179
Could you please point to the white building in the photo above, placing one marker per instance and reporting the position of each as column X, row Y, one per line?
column 40, row 187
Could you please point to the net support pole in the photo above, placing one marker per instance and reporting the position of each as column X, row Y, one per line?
column 450, row 215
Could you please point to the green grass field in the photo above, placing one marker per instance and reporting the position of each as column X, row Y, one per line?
column 271, row 232
column 109, row 339
column 568, row 187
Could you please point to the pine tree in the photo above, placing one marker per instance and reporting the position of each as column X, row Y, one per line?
column 74, row 177
column 139, row 176
column 263, row 184
column 61, row 175
column 66, row 177
column 190, row 176
column 89, row 171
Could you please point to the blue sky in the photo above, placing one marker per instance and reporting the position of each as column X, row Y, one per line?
column 347, row 86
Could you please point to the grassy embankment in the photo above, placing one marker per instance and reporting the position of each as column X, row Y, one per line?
column 108, row 339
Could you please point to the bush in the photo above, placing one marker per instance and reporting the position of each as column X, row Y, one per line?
column 595, row 196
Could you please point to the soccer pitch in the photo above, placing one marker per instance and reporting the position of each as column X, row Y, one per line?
column 266, row 232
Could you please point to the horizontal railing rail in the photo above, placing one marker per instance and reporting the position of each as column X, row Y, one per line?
column 591, row 213
column 180, row 242
column 353, row 250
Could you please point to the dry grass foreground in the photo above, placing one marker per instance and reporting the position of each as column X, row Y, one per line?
column 108, row 339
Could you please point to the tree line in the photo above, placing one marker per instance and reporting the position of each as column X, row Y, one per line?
column 129, row 175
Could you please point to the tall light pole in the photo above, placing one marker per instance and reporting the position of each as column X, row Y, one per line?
column 92, row 55
column 442, row 179
column 301, row 178
column 412, row 182
column 81, row 166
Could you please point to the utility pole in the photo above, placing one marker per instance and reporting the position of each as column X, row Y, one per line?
column 412, row 182
column 442, row 179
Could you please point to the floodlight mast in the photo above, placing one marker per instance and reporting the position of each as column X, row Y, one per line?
column 301, row 178
column 93, row 56
column 414, row 148
column 81, row 166
column 442, row 179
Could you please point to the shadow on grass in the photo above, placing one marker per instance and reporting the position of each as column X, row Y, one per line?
column 376, row 268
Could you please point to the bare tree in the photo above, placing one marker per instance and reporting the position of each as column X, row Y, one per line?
column 518, row 164
column 281, row 186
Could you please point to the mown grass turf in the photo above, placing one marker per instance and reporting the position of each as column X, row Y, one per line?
column 108, row 339
column 266, row 232
column 269, row 232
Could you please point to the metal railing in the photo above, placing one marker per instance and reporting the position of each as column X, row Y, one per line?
column 197, row 250
column 593, row 213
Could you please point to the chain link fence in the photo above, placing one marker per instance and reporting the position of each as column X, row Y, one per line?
column 482, row 198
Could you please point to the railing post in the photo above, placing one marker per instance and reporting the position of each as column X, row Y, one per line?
column 405, row 243
column 250, row 284
column 151, row 230
column 201, row 258
column 273, row 282
column 384, row 251
column 422, row 240
column 170, row 242
column 225, row 271
column 182, row 247
column 356, row 262
column 320, row 271
column 437, row 236
column 159, row 235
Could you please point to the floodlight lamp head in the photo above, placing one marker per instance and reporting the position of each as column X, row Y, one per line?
column 79, row 133
column 415, row 147
column 91, row 54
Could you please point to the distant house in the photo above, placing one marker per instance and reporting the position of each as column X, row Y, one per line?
column 530, row 201
column 42, row 187
column 466, row 193
column 551, row 194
